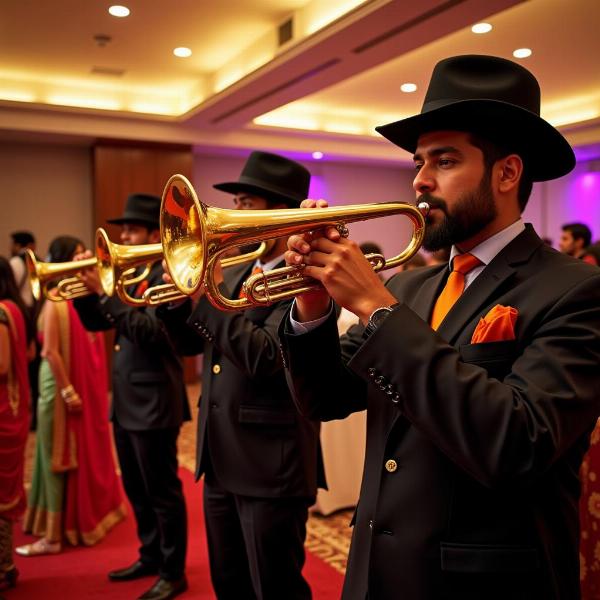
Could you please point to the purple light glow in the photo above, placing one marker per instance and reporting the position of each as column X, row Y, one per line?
column 584, row 201
column 318, row 188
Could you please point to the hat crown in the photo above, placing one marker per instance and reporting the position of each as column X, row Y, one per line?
column 271, row 176
column 493, row 98
column 140, row 208
column 478, row 77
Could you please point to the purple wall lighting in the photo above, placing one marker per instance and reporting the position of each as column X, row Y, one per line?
column 584, row 201
column 318, row 188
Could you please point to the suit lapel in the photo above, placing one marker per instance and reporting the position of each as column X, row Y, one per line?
column 482, row 290
column 422, row 302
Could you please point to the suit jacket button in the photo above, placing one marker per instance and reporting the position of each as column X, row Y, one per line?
column 216, row 369
column 391, row 465
column 117, row 348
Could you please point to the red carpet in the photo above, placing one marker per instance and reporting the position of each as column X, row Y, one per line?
column 79, row 573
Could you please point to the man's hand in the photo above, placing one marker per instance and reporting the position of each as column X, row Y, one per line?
column 339, row 264
column 311, row 305
column 90, row 275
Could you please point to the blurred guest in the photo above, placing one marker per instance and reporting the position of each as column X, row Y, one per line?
column 14, row 415
column 75, row 492
column 20, row 242
column 416, row 262
column 575, row 240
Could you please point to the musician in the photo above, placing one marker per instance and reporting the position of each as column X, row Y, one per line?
column 261, row 460
column 479, row 403
column 149, row 406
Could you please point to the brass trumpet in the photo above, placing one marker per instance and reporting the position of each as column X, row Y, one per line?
column 117, row 264
column 194, row 236
column 42, row 273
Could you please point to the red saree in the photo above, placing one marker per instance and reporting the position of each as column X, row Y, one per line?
column 589, row 509
column 81, row 446
column 14, row 415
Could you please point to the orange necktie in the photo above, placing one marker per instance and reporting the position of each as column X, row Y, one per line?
column 255, row 271
column 461, row 265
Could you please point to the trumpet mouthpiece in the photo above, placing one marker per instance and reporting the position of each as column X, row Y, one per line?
column 423, row 208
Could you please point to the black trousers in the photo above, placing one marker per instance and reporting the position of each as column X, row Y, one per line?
column 255, row 545
column 148, row 462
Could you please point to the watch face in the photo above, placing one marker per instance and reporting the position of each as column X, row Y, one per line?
column 377, row 318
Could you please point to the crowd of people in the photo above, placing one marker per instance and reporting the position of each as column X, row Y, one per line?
column 476, row 364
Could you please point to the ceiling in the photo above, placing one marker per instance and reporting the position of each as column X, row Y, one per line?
column 71, row 72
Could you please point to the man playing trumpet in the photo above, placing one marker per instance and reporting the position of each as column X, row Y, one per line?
column 149, row 406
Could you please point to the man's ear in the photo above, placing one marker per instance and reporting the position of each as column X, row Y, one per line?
column 510, row 171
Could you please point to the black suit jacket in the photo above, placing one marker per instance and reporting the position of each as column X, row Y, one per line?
column 147, row 374
column 248, row 427
column 487, row 438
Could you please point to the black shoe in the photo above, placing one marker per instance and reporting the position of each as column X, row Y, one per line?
column 163, row 589
column 135, row 571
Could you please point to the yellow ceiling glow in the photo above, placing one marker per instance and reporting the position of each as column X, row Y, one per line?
column 317, row 15
column 83, row 102
column 573, row 110
column 288, row 121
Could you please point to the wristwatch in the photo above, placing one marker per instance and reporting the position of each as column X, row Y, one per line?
column 378, row 316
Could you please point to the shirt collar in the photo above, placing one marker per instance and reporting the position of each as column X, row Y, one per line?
column 270, row 265
column 488, row 249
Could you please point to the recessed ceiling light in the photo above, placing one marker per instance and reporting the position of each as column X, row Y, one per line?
column 119, row 11
column 522, row 53
column 182, row 52
column 408, row 87
column 317, row 155
column 481, row 28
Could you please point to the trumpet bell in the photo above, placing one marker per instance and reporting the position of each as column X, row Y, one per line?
column 117, row 263
column 70, row 286
column 183, row 234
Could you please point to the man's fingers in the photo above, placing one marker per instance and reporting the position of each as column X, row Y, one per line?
column 298, row 243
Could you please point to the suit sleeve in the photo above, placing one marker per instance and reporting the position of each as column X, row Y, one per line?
column 322, row 386
column 252, row 347
column 498, row 431
column 185, row 339
column 138, row 324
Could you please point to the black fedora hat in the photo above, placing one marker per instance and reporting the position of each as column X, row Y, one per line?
column 272, row 177
column 142, row 209
column 492, row 97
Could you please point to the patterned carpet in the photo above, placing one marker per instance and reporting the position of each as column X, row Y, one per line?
column 327, row 537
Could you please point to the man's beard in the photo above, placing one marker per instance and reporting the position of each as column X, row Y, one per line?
column 472, row 212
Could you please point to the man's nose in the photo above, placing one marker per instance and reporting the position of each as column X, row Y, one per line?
column 423, row 182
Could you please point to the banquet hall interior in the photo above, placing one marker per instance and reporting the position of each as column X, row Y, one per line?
column 94, row 107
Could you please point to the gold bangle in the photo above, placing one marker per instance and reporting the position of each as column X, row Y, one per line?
column 67, row 391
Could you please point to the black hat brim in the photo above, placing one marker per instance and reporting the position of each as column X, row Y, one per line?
column 125, row 220
column 545, row 152
column 269, row 193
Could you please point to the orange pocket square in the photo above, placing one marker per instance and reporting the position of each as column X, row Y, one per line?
column 497, row 326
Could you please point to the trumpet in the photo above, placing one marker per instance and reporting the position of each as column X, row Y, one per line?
column 42, row 273
column 195, row 235
column 117, row 265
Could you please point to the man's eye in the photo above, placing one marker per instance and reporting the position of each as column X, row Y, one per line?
column 418, row 166
column 445, row 162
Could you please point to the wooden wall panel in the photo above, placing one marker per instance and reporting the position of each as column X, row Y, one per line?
column 120, row 169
